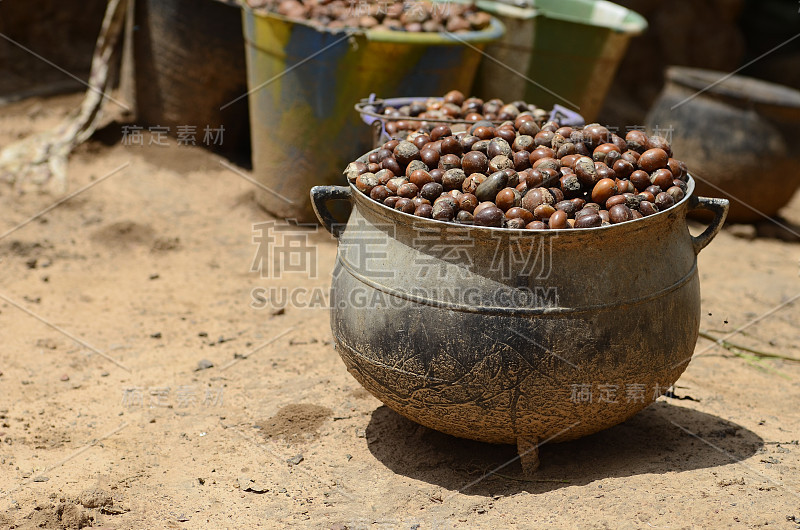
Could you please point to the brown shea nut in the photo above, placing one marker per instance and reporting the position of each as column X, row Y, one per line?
column 519, row 213
column 451, row 145
column 467, row 202
column 602, row 153
column 499, row 163
column 655, row 190
column 558, row 220
column 447, row 162
column 424, row 210
column 604, row 189
column 647, row 208
column 405, row 205
column 408, row 190
column 615, row 199
column 661, row 178
column 541, row 152
column 405, row 152
column 429, row 156
column 431, row 191
column 625, row 186
column 420, row 177
column 415, row 165
column 536, row 225
column 384, row 176
column 596, row 134
column 586, row 171
column 515, row 224
column 467, row 141
column 659, row 142
column 529, row 128
column 619, row 213
column 646, row 196
column 676, row 193
column 636, row 141
column 623, row 168
column 453, row 179
column 443, row 211
column 472, row 182
column 640, row 179
column 365, row 182
column 455, row 194
column 420, row 140
column 481, row 206
column 484, row 132
column 567, row 206
column 354, row 169
column 521, row 160
column 498, row 147
column 475, row 162
column 395, row 183
column 489, row 216
column 589, row 220
column 507, row 198
column 439, row 132
column 420, row 201
column 676, row 168
column 392, row 165
column 506, row 133
column 543, row 211
column 523, row 142
column 557, row 194
column 464, row 217
column 664, row 200
column 379, row 193
column 536, row 197
column 653, row 159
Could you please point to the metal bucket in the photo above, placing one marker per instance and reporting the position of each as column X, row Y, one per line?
column 185, row 63
column 304, row 82
column 500, row 335
column 568, row 50
column 369, row 108
column 738, row 134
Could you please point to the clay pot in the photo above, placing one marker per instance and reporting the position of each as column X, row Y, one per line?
column 737, row 135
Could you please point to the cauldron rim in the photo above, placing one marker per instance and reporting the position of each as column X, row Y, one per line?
column 424, row 223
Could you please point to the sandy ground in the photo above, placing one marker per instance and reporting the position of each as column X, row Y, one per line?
column 111, row 302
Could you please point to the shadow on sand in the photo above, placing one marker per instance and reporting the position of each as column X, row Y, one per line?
column 650, row 442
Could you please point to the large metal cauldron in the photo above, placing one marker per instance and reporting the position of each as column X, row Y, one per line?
column 513, row 336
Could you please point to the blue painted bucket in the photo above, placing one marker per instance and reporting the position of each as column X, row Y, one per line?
column 304, row 82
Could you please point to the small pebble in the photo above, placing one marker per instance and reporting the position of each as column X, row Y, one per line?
column 203, row 364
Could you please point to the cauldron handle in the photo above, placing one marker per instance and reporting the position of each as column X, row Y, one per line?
column 719, row 207
column 320, row 195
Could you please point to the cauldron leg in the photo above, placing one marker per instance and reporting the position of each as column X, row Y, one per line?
column 528, row 451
